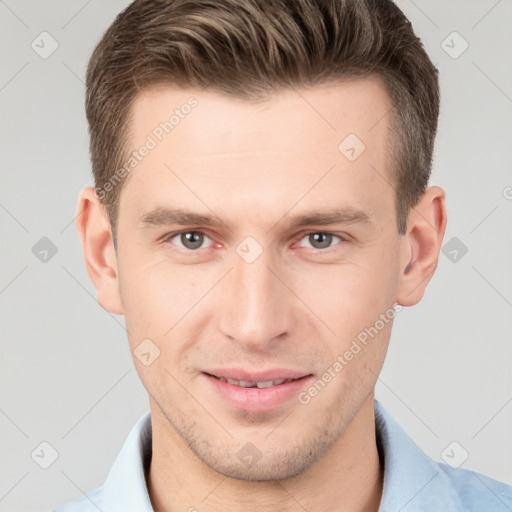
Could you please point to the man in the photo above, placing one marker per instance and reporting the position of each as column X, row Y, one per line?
column 261, row 211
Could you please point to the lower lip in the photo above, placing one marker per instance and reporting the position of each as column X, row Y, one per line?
column 257, row 399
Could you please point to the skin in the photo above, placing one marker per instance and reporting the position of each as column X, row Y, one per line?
column 256, row 166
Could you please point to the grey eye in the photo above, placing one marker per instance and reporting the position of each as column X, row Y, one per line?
column 192, row 239
column 320, row 240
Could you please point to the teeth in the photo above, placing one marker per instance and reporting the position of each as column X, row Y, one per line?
column 259, row 385
column 245, row 384
column 265, row 384
column 279, row 381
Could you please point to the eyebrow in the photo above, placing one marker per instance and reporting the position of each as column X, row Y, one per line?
column 165, row 216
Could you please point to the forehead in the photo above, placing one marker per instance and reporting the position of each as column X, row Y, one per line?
column 327, row 142
column 334, row 109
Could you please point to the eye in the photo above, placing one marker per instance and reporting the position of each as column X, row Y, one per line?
column 321, row 240
column 190, row 240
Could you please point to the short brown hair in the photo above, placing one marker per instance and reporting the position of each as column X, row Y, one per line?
column 250, row 48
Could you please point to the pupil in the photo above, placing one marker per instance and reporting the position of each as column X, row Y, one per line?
column 320, row 240
column 192, row 239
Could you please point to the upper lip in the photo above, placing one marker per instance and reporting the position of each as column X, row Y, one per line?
column 256, row 376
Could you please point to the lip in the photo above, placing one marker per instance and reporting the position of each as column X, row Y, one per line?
column 256, row 399
column 253, row 376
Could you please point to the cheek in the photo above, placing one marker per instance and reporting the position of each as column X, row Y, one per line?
column 351, row 296
column 149, row 295
column 158, row 305
column 159, row 299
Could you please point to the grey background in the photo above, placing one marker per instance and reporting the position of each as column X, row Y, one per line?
column 66, row 372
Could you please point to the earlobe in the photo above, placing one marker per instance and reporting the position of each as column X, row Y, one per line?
column 421, row 246
column 100, row 257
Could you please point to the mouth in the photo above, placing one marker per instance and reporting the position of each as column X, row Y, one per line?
column 256, row 392
column 260, row 385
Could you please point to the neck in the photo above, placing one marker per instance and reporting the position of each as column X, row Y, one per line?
column 348, row 477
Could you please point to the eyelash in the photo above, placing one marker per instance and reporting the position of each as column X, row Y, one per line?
column 192, row 252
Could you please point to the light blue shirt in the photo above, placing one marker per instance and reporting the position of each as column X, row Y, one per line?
column 412, row 481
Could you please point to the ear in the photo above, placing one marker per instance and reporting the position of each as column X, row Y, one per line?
column 95, row 234
column 421, row 245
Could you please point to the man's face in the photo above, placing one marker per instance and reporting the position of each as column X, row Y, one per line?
column 259, row 295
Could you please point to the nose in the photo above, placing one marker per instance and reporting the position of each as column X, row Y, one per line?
column 257, row 308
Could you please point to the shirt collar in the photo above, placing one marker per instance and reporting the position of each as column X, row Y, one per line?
column 125, row 486
column 412, row 481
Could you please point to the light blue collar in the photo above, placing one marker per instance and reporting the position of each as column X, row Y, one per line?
column 412, row 481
